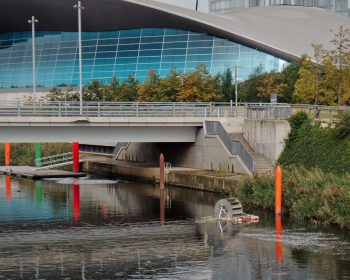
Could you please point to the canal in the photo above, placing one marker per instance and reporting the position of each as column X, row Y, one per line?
column 102, row 229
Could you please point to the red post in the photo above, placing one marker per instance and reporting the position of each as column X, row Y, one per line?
column 75, row 147
column 8, row 188
column 7, row 154
column 76, row 202
column 161, row 170
column 278, row 190
column 278, row 242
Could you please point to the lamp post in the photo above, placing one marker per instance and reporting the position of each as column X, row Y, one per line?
column 33, row 21
column 236, row 85
column 79, row 7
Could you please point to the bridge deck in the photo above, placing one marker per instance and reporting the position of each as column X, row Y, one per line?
column 30, row 172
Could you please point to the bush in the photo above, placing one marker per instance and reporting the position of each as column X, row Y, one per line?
column 308, row 194
column 342, row 129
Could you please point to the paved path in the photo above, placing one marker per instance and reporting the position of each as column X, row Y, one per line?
column 30, row 172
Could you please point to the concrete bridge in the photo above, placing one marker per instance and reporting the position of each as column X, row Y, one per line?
column 214, row 135
column 118, row 121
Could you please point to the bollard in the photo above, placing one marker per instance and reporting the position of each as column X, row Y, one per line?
column 278, row 242
column 278, row 190
column 7, row 154
column 75, row 147
column 161, row 172
column 76, row 202
column 38, row 154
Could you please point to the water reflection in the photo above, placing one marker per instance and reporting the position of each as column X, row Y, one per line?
column 8, row 188
column 76, row 202
column 112, row 231
column 278, row 229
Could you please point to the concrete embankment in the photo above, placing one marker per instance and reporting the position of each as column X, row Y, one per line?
column 176, row 176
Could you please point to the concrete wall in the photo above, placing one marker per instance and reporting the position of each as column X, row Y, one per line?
column 267, row 137
column 206, row 153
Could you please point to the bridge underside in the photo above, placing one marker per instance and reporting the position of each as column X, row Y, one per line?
column 37, row 134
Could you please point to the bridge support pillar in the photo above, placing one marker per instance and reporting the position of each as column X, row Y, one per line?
column 38, row 154
column 75, row 148
column 7, row 154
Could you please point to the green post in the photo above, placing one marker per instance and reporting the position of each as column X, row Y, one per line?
column 38, row 154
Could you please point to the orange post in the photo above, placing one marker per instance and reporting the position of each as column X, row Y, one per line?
column 7, row 154
column 161, row 172
column 278, row 190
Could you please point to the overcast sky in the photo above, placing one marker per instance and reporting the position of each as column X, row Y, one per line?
column 191, row 4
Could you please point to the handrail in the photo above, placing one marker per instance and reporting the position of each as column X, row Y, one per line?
column 207, row 110
column 54, row 159
column 234, row 147
column 119, row 147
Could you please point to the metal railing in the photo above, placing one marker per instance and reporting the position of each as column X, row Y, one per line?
column 54, row 159
column 119, row 148
column 233, row 146
column 117, row 109
column 23, row 108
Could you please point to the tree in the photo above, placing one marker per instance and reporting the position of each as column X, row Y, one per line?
column 170, row 86
column 269, row 83
column 340, row 57
column 128, row 90
column 198, row 86
column 290, row 74
column 150, row 90
column 225, row 85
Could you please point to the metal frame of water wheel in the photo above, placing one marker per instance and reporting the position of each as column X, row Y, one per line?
column 227, row 208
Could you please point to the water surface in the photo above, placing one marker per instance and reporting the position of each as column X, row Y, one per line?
column 88, row 229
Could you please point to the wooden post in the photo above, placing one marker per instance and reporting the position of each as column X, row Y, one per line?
column 278, row 190
column 161, row 172
column 162, row 206
column 7, row 154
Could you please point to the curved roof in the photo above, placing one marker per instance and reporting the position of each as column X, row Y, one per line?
column 283, row 31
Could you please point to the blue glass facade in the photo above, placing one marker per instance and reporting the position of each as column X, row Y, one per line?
column 121, row 53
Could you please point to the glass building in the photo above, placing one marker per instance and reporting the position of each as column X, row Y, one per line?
column 120, row 54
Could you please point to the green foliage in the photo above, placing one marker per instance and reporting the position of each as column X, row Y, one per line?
column 342, row 129
column 23, row 154
column 308, row 194
column 314, row 146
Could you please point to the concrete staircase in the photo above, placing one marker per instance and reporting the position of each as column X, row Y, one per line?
column 261, row 164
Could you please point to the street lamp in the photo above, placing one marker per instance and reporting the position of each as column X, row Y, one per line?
column 79, row 7
column 33, row 21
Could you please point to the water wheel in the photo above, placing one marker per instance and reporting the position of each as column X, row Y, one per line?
column 227, row 208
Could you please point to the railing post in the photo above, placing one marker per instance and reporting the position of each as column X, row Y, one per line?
column 98, row 109
column 209, row 109
column 231, row 108
column 59, row 108
column 174, row 108
column 137, row 109
column 18, row 108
